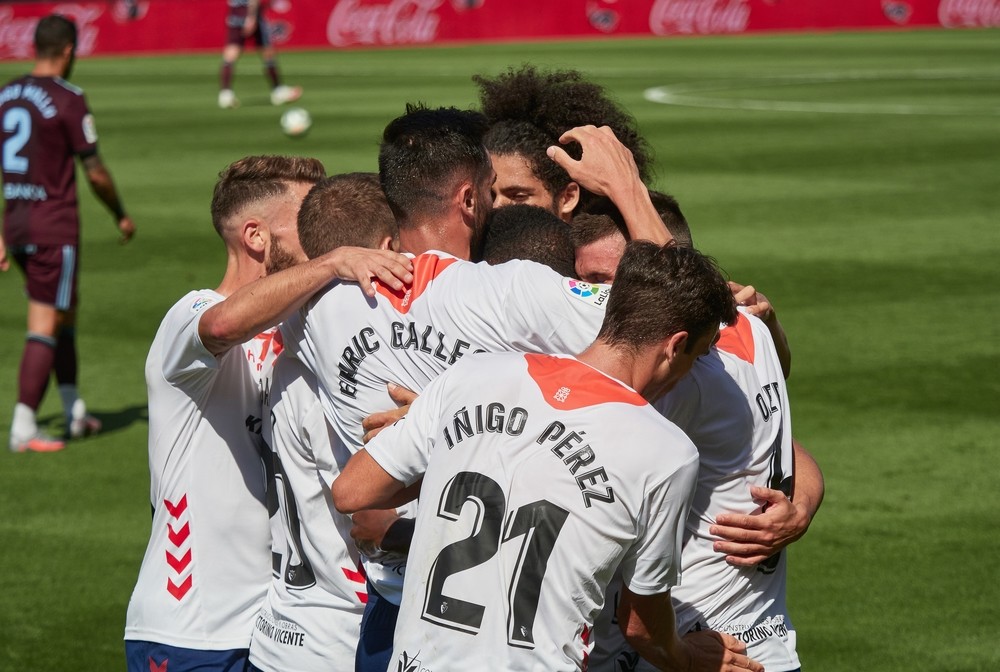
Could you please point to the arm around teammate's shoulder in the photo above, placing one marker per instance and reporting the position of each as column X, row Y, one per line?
column 264, row 303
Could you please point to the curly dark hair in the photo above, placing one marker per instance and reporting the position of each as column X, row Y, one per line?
column 556, row 101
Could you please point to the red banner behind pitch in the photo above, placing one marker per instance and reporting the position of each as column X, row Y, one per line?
column 150, row 26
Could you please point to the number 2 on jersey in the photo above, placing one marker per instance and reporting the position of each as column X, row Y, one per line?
column 537, row 525
column 18, row 121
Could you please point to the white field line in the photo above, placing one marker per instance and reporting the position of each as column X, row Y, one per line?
column 689, row 94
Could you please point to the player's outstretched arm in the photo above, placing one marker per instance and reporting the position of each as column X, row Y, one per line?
column 363, row 484
column 104, row 187
column 748, row 540
column 607, row 168
column 4, row 262
column 648, row 623
column 265, row 302
column 760, row 307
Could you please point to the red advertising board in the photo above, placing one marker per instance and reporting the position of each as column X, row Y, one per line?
column 120, row 27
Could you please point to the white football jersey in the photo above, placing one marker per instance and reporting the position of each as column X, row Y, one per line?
column 311, row 617
column 533, row 495
column 734, row 407
column 207, row 565
column 356, row 345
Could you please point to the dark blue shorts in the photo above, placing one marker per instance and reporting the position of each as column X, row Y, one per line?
column 377, row 628
column 153, row 657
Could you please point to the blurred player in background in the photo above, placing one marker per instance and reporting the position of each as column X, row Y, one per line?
column 46, row 124
column 245, row 21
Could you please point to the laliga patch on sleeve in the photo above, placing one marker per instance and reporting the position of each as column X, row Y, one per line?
column 596, row 295
column 201, row 303
column 89, row 129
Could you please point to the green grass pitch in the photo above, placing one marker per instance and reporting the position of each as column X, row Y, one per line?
column 853, row 178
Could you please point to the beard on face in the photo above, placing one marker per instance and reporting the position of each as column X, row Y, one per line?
column 279, row 259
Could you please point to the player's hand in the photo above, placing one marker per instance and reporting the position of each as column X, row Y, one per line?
column 369, row 529
column 4, row 261
column 606, row 166
column 126, row 228
column 757, row 304
column 362, row 265
column 748, row 540
column 376, row 422
column 710, row 651
column 249, row 25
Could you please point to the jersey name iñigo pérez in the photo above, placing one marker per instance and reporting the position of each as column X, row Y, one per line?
column 494, row 418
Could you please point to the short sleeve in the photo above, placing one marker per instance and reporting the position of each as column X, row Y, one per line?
column 183, row 351
column 81, row 128
column 404, row 448
column 548, row 313
column 653, row 564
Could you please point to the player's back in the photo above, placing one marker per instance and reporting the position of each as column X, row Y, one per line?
column 453, row 308
column 532, row 497
column 311, row 617
column 45, row 124
column 742, row 427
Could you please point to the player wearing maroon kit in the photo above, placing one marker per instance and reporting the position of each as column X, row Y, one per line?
column 44, row 125
column 245, row 21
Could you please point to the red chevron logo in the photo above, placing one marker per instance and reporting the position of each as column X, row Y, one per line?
column 176, row 509
column 357, row 577
column 180, row 564
column 153, row 667
column 180, row 536
column 179, row 591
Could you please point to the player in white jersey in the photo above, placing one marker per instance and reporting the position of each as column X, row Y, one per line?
column 557, row 500
column 735, row 408
column 742, row 429
column 207, row 563
column 310, row 619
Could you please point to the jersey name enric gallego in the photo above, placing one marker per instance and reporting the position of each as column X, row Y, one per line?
column 44, row 125
column 453, row 308
column 311, row 618
column 541, row 476
column 207, row 565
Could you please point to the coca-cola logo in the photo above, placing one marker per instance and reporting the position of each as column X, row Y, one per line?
column 701, row 17
column 394, row 22
column 969, row 13
column 17, row 33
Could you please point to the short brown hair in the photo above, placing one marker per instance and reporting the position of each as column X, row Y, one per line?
column 666, row 207
column 587, row 228
column 660, row 291
column 347, row 209
column 254, row 178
